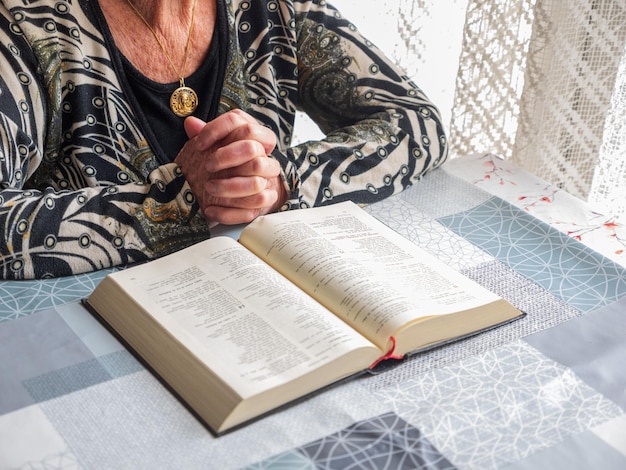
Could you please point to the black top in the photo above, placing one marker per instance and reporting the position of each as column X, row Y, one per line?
column 165, row 128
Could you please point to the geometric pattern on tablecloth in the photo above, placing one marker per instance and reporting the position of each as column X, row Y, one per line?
column 614, row 434
column 543, row 310
column 500, row 177
column 33, row 346
column 559, row 263
column 22, row 298
column 600, row 334
column 499, row 407
column 382, row 442
column 458, row 196
column 428, row 234
column 129, row 422
column 578, row 452
column 141, row 425
column 29, row 441
column 291, row 460
column 386, row 441
column 65, row 460
column 66, row 380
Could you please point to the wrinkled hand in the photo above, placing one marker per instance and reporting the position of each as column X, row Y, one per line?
column 227, row 165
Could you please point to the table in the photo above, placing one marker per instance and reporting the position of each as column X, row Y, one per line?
column 548, row 391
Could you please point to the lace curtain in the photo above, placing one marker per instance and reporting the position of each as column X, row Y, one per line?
column 541, row 82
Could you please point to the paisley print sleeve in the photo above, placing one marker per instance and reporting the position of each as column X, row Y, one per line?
column 382, row 132
column 80, row 189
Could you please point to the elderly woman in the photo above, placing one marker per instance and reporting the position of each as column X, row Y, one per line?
column 129, row 128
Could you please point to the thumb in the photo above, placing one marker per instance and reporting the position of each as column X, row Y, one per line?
column 193, row 126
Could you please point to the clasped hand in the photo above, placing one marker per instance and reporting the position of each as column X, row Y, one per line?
column 227, row 165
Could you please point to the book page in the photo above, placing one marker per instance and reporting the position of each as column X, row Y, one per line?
column 372, row 276
column 243, row 319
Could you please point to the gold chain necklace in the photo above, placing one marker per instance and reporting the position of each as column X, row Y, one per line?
column 183, row 100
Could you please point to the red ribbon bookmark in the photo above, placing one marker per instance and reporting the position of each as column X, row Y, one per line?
column 388, row 355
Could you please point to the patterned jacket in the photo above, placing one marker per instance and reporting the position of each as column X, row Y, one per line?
column 81, row 188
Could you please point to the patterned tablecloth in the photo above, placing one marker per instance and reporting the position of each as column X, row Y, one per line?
column 548, row 391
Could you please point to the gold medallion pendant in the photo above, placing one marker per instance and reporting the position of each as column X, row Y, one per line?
column 183, row 101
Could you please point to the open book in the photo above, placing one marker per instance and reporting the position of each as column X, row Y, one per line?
column 304, row 299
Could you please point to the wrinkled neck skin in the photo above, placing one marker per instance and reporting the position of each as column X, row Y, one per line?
column 171, row 20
